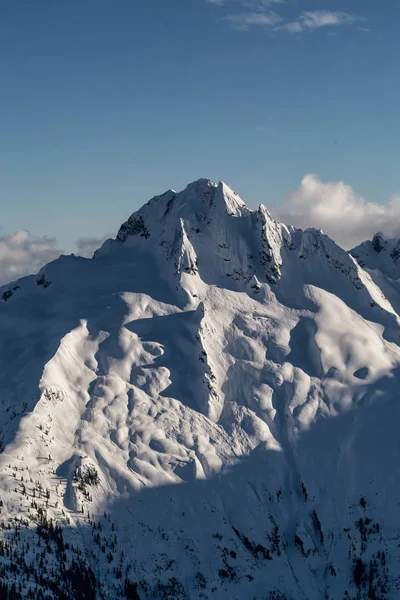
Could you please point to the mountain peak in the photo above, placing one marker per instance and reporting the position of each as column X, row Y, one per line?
column 201, row 200
column 380, row 253
column 206, row 234
column 378, row 242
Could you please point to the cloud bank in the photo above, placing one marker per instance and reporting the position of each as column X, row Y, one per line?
column 339, row 211
column 21, row 254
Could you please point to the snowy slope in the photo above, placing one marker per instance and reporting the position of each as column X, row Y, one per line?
column 206, row 409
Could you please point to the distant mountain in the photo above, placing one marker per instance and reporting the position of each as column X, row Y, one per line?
column 208, row 408
column 380, row 253
column 380, row 257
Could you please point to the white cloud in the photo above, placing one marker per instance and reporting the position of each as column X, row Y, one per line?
column 21, row 254
column 339, row 211
column 310, row 20
column 252, row 13
column 246, row 20
column 253, row 4
column 258, row 12
column 87, row 246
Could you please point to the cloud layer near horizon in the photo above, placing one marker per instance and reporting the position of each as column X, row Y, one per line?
column 339, row 211
column 22, row 253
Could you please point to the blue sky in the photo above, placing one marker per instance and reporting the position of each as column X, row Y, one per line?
column 106, row 103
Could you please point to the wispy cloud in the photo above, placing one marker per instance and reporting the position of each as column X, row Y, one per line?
column 244, row 14
column 250, row 4
column 310, row 20
column 246, row 20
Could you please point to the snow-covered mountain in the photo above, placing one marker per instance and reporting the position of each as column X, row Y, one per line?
column 208, row 408
column 380, row 257
column 380, row 253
